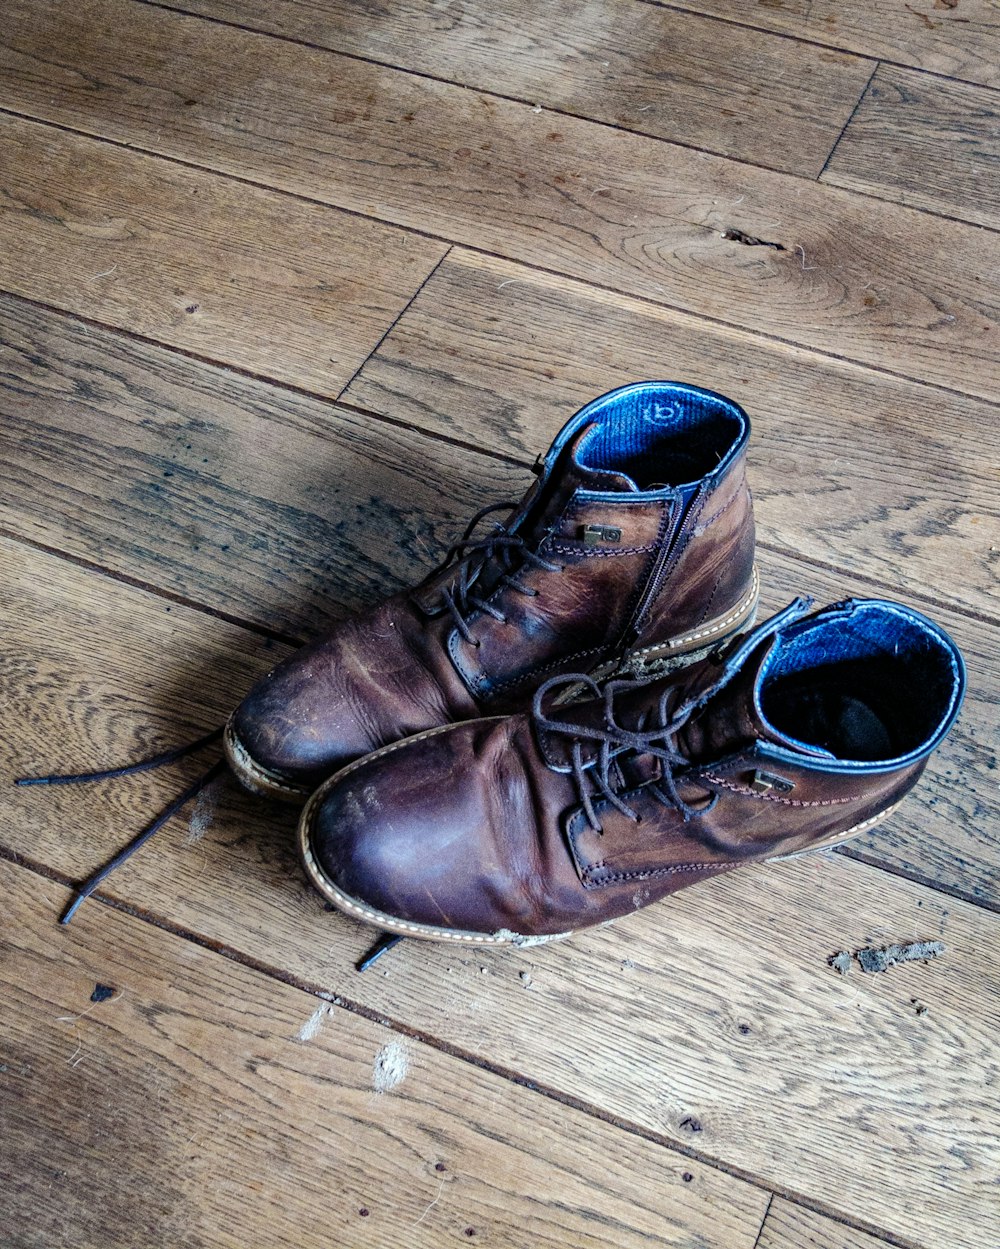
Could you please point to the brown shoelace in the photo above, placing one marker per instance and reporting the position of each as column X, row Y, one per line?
column 508, row 551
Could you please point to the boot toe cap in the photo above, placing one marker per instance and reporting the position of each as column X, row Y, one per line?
column 411, row 836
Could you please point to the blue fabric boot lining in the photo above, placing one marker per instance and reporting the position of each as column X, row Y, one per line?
column 662, row 433
column 873, row 683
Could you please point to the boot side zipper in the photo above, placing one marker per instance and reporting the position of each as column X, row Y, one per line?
column 657, row 574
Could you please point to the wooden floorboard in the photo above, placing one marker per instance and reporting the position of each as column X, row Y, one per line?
column 673, row 75
column 788, row 1226
column 287, row 513
column 315, row 1126
column 959, row 40
column 854, row 277
column 278, row 509
column 925, row 142
column 287, row 292
column 878, row 476
column 201, row 262
column 733, row 1014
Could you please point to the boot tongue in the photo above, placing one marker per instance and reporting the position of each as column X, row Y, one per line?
column 568, row 474
column 731, row 719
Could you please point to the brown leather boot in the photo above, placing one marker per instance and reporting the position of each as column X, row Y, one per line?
column 637, row 537
column 523, row 828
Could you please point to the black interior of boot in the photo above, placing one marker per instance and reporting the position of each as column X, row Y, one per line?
column 662, row 435
column 872, row 687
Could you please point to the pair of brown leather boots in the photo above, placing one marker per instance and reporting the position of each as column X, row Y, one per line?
column 572, row 716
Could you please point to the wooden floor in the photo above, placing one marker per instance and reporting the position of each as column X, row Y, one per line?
column 288, row 289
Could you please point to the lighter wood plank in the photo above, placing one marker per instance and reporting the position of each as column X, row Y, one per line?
column 240, row 274
column 289, row 513
column 713, row 1020
column 673, row 75
column 788, row 1226
column 961, row 40
column 276, row 508
column 875, row 475
column 616, row 209
column 205, row 1103
column 924, row 142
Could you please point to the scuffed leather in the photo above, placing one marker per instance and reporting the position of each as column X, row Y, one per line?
column 375, row 679
column 405, row 667
column 467, row 829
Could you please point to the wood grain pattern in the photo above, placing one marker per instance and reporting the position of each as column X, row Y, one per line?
column 240, row 274
column 741, row 1041
column 875, row 475
column 287, row 513
column 279, row 509
column 617, row 209
column 788, row 1226
column 960, row 40
column 924, row 142
column 204, row 1099
column 673, row 75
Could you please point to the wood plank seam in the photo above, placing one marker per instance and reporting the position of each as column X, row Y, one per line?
column 531, row 266
column 763, row 1222
column 919, row 595
column 402, row 313
column 817, row 43
column 854, row 113
column 398, row 1027
column 171, row 596
column 924, row 144
column 862, row 856
column 499, row 95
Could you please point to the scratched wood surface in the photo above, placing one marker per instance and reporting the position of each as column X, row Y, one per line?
column 729, row 90
column 200, row 262
column 959, row 38
column 215, row 488
column 614, row 208
column 500, row 355
column 788, row 1226
column 732, row 1007
column 286, row 292
column 312, row 1122
column 926, row 142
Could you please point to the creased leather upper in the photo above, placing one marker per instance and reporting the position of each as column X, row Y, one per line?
column 405, row 666
column 480, row 827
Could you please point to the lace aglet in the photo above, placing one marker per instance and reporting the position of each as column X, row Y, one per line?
column 382, row 946
column 74, row 905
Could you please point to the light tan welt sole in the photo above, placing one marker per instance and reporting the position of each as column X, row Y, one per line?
column 431, row 932
column 832, row 842
column 688, row 648
column 257, row 779
column 652, row 660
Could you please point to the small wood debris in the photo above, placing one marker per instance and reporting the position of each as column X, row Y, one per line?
column 874, row 959
column 880, row 958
